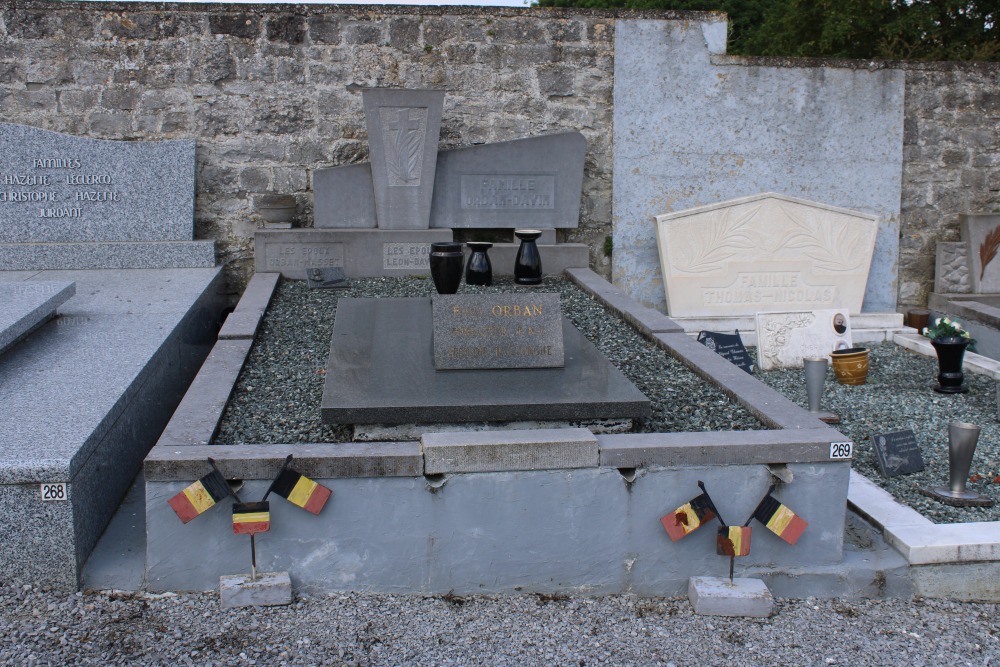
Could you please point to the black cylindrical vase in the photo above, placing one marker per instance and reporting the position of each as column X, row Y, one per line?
column 446, row 266
column 528, row 263
column 950, row 353
column 479, row 269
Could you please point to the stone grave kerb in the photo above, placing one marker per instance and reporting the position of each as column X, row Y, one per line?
column 403, row 131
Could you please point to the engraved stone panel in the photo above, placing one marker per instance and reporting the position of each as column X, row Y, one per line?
column 403, row 128
column 534, row 182
column 765, row 253
column 57, row 188
column 951, row 268
column 522, row 330
column 784, row 339
column 982, row 236
column 406, row 255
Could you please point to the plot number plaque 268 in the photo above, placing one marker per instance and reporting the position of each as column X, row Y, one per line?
column 55, row 491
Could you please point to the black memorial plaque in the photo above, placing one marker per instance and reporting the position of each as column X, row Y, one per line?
column 898, row 453
column 729, row 346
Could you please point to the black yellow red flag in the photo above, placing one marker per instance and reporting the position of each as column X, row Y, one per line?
column 300, row 490
column 251, row 518
column 780, row 520
column 689, row 517
column 200, row 496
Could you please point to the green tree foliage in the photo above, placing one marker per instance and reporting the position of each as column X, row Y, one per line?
column 886, row 29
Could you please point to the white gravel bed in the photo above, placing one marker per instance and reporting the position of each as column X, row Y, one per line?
column 107, row 628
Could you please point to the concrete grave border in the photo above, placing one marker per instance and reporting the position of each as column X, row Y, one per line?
column 796, row 439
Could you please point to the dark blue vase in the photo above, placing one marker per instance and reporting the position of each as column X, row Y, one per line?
column 446, row 266
column 479, row 269
column 528, row 263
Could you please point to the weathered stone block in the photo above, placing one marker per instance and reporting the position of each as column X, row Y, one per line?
column 713, row 596
column 269, row 589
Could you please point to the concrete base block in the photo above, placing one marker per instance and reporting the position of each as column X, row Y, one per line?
column 269, row 589
column 714, row 596
column 398, row 432
column 489, row 451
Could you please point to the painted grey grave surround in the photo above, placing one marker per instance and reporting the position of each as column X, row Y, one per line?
column 840, row 139
column 71, row 202
column 517, row 330
column 25, row 306
column 83, row 399
column 403, row 130
column 376, row 342
column 528, row 183
column 591, row 529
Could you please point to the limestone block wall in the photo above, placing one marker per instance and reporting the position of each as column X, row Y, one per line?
column 951, row 162
column 272, row 92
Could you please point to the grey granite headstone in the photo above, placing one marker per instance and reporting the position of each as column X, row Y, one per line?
column 344, row 198
column 381, row 371
column 951, row 268
column 534, row 182
column 982, row 236
column 519, row 330
column 403, row 130
column 60, row 188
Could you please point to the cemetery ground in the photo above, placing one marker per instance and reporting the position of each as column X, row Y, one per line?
column 284, row 378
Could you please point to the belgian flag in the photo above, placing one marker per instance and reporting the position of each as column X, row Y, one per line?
column 688, row 517
column 780, row 520
column 251, row 518
column 300, row 490
column 200, row 496
column 733, row 541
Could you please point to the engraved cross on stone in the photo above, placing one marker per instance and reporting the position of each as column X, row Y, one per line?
column 403, row 122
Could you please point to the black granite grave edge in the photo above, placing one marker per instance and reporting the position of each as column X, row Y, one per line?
column 181, row 451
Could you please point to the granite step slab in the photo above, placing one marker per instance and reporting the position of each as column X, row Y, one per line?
column 27, row 306
column 108, row 255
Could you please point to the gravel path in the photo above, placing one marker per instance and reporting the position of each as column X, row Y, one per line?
column 38, row 628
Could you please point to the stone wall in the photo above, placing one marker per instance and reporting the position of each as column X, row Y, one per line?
column 951, row 162
column 272, row 92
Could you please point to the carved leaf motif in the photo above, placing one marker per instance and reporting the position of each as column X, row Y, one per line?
column 988, row 249
column 725, row 237
column 776, row 333
column 403, row 139
column 832, row 247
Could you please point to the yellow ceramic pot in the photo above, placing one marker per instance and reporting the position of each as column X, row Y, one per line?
column 850, row 365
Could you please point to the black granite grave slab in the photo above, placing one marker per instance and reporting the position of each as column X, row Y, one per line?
column 381, row 371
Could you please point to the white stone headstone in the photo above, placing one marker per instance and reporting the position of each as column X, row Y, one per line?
column 982, row 236
column 764, row 253
column 785, row 339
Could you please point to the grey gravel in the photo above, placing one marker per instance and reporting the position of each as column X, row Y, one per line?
column 277, row 397
column 899, row 395
column 110, row 628
column 278, row 394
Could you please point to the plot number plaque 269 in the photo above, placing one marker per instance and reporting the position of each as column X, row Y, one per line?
column 841, row 450
column 55, row 491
